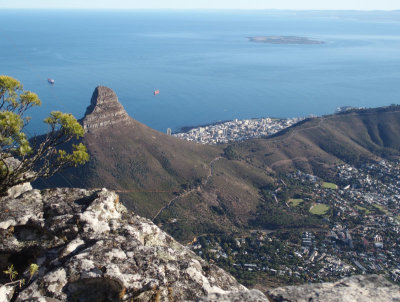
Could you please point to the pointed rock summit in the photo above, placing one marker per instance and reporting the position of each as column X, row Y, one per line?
column 104, row 111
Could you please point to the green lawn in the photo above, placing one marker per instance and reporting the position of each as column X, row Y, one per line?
column 319, row 209
column 378, row 206
column 363, row 209
column 329, row 185
column 295, row 202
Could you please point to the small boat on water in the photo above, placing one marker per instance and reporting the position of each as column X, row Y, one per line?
column 156, row 92
column 51, row 81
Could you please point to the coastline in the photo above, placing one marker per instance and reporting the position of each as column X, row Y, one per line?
column 186, row 129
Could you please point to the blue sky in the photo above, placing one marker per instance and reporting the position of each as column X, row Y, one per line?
column 207, row 4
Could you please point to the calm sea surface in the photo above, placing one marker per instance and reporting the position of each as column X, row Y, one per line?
column 202, row 62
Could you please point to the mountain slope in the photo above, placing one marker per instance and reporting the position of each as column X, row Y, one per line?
column 315, row 144
column 192, row 189
column 160, row 176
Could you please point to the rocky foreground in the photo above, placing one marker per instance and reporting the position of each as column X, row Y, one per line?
column 89, row 247
column 366, row 288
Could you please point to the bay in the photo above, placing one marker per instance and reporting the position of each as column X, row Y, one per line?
column 202, row 62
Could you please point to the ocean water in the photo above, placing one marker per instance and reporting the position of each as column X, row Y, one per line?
column 202, row 62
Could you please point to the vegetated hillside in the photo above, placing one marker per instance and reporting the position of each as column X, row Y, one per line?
column 192, row 189
column 317, row 143
column 162, row 177
column 134, row 159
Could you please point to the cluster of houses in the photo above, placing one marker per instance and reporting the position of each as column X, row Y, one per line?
column 367, row 205
column 361, row 233
column 236, row 130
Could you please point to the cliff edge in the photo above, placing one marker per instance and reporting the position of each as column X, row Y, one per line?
column 90, row 248
column 364, row 288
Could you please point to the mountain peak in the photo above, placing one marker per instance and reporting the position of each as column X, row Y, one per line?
column 105, row 110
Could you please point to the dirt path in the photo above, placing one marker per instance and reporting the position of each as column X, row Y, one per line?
column 186, row 193
column 278, row 139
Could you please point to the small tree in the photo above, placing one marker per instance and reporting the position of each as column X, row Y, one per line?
column 19, row 160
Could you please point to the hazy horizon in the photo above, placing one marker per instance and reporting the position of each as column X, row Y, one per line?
column 351, row 5
column 199, row 9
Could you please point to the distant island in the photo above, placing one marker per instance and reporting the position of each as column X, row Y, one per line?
column 284, row 40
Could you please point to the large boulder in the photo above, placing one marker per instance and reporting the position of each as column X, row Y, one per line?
column 253, row 295
column 90, row 248
column 364, row 288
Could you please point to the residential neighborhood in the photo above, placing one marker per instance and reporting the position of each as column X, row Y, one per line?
column 237, row 130
column 359, row 232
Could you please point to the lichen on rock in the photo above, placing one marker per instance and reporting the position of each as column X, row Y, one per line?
column 365, row 288
column 88, row 245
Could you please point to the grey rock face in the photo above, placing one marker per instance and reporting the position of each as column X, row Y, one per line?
column 243, row 296
column 6, row 292
column 90, row 248
column 104, row 110
column 365, row 288
column 21, row 188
